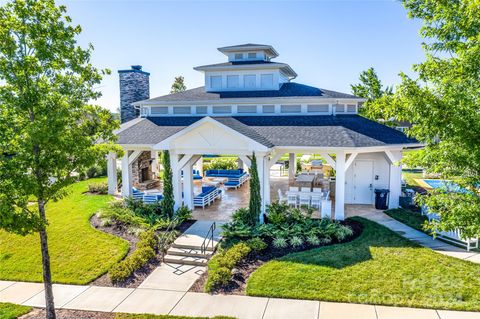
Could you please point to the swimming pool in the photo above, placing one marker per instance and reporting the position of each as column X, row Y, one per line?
column 442, row 184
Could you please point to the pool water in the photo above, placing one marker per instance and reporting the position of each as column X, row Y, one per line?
column 443, row 184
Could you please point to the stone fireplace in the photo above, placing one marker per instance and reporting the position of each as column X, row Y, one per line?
column 142, row 173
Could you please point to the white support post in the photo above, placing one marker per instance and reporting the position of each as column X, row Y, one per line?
column 340, row 186
column 245, row 160
column 112, row 172
column 126, row 176
column 199, row 165
column 176, row 180
column 188, row 184
column 239, row 163
column 350, row 160
column 292, row 166
column 261, row 177
column 329, row 159
column 154, row 155
column 395, row 184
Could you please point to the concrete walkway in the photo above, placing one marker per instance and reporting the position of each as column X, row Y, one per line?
column 177, row 277
column 159, row 301
column 418, row 236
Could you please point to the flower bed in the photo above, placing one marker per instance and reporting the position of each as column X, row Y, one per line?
column 246, row 247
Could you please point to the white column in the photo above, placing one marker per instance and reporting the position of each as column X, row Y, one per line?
column 188, row 185
column 154, row 155
column 266, row 187
column 176, row 180
column 340, row 186
column 292, row 166
column 261, row 178
column 199, row 165
column 126, row 176
column 239, row 163
column 112, row 172
column 395, row 185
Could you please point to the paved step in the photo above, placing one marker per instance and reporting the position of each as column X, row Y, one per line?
column 193, row 247
column 185, row 260
column 189, row 252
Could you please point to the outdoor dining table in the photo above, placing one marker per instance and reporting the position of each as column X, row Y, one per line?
column 304, row 180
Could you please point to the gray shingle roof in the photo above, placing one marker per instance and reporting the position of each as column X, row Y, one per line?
column 303, row 130
column 287, row 90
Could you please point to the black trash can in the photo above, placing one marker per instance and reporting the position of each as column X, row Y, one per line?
column 381, row 198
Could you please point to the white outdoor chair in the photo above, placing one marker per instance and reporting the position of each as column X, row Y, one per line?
column 304, row 199
column 281, row 198
column 317, row 190
column 306, row 189
column 293, row 189
column 316, row 201
column 292, row 200
column 326, row 195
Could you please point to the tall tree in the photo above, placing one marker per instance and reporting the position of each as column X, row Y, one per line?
column 47, row 128
column 443, row 104
column 178, row 85
column 376, row 95
column 255, row 203
column 168, row 201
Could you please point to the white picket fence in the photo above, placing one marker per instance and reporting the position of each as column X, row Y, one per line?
column 455, row 236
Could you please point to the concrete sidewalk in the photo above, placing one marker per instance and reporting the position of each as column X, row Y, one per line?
column 158, row 301
column 419, row 237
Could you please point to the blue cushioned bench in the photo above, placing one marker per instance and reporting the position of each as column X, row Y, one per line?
column 236, row 177
column 147, row 198
column 208, row 195
column 196, row 174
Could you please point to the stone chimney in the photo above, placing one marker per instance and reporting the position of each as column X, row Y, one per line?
column 134, row 86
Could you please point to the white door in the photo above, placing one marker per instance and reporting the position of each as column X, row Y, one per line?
column 363, row 182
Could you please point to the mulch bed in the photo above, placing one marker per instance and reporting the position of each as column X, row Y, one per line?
column 69, row 314
column 254, row 261
column 140, row 274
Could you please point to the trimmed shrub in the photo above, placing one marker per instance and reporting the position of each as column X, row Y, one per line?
column 146, row 248
column 221, row 163
column 98, row 188
column 256, row 244
column 221, row 265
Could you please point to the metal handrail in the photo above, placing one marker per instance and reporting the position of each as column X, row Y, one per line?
column 209, row 236
column 164, row 241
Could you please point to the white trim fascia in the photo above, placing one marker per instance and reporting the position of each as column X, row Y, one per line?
column 207, row 119
column 255, row 100
column 369, row 149
column 254, row 66
column 133, row 147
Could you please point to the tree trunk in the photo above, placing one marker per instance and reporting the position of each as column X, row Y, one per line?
column 47, row 275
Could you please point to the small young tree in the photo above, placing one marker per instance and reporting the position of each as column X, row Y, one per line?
column 47, row 129
column 178, row 85
column 376, row 95
column 255, row 204
column 168, row 201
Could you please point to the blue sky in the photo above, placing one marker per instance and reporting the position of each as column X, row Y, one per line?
column 328, row 43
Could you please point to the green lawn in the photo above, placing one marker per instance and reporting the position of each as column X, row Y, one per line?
column 410, row 175
column 379, row 267
column 409, row 218
column 11, row 311
column 79, row 253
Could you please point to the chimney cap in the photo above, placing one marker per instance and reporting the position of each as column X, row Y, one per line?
column 134, row 68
